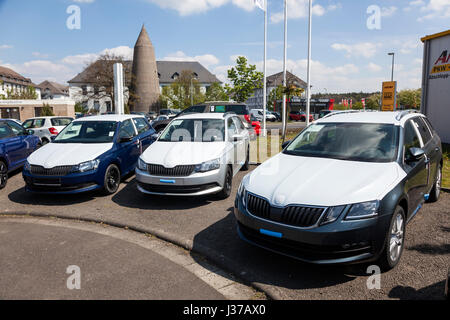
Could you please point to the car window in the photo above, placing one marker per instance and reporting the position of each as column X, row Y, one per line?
column 239, row 125
column 88, row 132
column 5, row 131
column 28, row 124
column 347, row 141
column 190, row 130
column 127, row 129
column 61, row 122
column 231, row 127
column 16, row 128
column 411, row 138
column 141, row 125
column 238, row 109
column 423, row 129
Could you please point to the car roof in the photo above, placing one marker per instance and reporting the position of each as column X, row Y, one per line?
column 395, row 117
column 211, row 115
column 110, row 117
column 49, row 117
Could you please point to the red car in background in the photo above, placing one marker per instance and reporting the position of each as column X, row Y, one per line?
column 300, row 116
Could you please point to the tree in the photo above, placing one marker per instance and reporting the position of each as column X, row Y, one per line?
column 47, row 110
column 216, row 93
column 410, row 99
column 244, row 79
column 29, row 93
column 373, row 102
column 184, row 92
column 275, row 95
column 101, row 74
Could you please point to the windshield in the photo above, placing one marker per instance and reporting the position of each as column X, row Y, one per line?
column 88, row 132
column 199, row 130
column 61, row 122
column 347, row 141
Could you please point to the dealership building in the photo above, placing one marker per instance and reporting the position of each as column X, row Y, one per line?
column 436, row 82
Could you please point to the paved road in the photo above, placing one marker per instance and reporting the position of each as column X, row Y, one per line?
column 113, row 264
column 208, row 226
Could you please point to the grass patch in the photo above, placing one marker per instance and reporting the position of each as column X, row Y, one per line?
column 264, row 148
column 446, row 168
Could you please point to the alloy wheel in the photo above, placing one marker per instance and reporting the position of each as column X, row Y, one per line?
column 3, row 175
column 397, row 237
column 438, row 182
column 112, row 179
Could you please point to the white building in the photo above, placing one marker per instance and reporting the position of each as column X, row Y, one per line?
column 14, row 82
column 54, row 91
column 273, row 81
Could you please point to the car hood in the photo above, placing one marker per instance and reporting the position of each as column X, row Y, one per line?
column 65, row 154
column 287, row 179
column 171, row 154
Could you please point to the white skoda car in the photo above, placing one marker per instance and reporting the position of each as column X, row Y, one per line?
column 196, row 154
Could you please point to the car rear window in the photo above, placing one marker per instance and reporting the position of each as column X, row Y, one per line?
column 238, row 109
column 61, row 122
column 423, row 129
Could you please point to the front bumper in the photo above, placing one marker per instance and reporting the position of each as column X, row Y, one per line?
column 335, row 243
column 196, row 184
column 69, row 184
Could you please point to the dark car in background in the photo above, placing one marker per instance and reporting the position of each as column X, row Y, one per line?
column 16, row 144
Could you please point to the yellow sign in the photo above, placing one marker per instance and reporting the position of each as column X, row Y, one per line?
column 389, row 96
column 442, row 68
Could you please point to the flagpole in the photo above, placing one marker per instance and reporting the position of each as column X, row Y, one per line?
column 265, row 70
column 284, row 111
column 308, row 97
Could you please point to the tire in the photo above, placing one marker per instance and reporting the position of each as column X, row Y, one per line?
column 3, row 174
column 395, row 241
column 227, row 185
column 111, row 181
column 245, row 167
column 436, row 191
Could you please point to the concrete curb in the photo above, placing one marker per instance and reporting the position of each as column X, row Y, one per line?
column 220, row 260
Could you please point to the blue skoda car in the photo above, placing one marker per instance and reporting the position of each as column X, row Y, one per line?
column 16, row 144
column 89, row 154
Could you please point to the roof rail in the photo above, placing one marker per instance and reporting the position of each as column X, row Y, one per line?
column 229, row 113
column 404, row 113
column 341, row 112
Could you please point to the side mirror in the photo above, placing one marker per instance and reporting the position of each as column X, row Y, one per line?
column 155, row 136
column 285, row 144
column 415, row 154
column 125, row 139
column 30, row 132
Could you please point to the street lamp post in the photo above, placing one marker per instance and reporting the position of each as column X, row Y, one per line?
column 192, row 93
column 393, row 55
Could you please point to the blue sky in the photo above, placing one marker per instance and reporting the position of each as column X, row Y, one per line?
column 347, row 56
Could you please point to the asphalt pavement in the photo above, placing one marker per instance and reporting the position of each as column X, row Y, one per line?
column 206, row 226
column 57, row 259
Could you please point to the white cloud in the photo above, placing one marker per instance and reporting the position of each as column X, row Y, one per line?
column 207, row 60
column 374, row 67
column 84, row 1
column 363, row 49
column 5, row 46
column 40, row 55
column 298, row 9
column 435, row 9
column 188, row 7
column 388, row 11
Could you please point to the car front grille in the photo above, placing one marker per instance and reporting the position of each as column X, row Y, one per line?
column 178, row 171
column 56, row 171
column 293, row 215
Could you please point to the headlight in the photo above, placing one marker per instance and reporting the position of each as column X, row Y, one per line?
column 363, row 210
column 242, row 192
column 87, row 166
column 333, row 214
column 27, row 166
column 208, row 166
column 142, row 165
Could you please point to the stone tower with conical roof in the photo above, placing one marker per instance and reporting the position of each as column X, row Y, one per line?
column 144, row 90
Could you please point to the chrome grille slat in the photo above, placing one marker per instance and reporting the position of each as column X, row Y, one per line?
column 294, row 215
column 178, row 171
